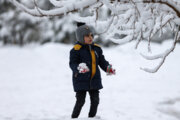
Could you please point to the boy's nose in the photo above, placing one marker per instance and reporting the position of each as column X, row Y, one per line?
column 90, row 37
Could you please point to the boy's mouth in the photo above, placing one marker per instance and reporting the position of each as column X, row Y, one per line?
column 90, row 40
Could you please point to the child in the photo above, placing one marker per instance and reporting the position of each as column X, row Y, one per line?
column 84, row 60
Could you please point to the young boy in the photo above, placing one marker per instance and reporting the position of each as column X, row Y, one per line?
column 85, row 59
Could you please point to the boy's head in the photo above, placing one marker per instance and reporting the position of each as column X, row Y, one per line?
column 84, row 34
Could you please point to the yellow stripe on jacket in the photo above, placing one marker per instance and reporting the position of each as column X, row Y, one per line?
column 93, row 63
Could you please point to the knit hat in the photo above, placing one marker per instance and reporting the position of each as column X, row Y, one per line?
column 82, row 31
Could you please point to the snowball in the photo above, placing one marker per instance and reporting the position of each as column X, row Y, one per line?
column 82, row 67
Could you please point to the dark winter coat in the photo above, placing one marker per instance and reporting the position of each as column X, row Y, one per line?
column 81, row 54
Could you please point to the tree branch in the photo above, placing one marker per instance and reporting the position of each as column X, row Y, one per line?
column 153, row 1
column 58, row 11
column 162, row 56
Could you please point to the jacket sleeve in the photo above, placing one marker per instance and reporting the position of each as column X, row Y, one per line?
column 102, row 61
column 74, row 60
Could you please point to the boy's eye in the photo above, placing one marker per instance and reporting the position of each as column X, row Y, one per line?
column 92, row 35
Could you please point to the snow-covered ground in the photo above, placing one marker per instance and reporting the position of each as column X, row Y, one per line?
column 36, row 84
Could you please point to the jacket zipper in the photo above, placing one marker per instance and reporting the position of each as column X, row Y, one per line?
column 91, row 68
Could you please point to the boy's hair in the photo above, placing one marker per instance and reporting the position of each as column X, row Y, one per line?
column 82, row 31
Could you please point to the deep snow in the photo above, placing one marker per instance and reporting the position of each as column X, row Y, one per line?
column 36, row 84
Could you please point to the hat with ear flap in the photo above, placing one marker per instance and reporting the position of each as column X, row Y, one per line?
column 82, row 31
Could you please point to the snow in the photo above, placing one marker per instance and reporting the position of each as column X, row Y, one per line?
column 82, row 67
column 134, row 19
column 69, row 6
column 36, row 84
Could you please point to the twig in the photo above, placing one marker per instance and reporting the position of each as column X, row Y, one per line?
column 162, row 56
column 37, row 8
column 108, row 26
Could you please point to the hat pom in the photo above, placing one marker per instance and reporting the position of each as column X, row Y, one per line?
column 80, row 24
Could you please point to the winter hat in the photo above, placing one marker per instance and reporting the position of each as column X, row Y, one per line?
column 82, row 31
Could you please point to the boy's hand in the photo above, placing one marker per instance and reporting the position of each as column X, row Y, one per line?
column 110, row 70
column 83, row 68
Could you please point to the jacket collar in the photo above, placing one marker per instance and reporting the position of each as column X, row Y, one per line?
column 85, row 44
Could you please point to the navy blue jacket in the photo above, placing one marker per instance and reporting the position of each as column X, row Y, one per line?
column 81, row 54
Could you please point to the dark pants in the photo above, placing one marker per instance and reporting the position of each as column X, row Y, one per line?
column 80, row 100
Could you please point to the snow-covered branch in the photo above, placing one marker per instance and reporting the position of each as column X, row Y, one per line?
column 127, row 20
column 162, row 56
column 70, row 6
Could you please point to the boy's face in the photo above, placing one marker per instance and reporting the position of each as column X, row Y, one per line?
column 88, row 39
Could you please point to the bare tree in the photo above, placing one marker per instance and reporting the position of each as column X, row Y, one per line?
column 136, row 20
